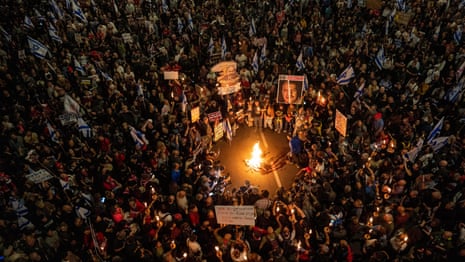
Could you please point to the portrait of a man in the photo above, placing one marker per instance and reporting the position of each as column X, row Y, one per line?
column 289, row 92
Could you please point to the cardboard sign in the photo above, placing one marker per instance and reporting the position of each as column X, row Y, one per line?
column 403, row 18
column 171, row 75
column 219, row 131
column 235, row 215
column 341, row 123
column 39, row 176
column 195, row 114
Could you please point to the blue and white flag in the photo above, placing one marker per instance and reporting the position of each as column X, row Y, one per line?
column 224, row 48
column 252, row 28
column 78, row 67
column 453, row 94
column 227, row 128
column 140, row 91
column 359, row 92
column 138, row 137
column 82, row 212
column 53, row 133
column 53, row 33
column 299, row 64
column 458, row 35
column 37, row 48
column 56, row 9
column 5, row 34
column 401, row 5
column 164, row 6
column 263, row 54
column 435, row 131
column 438, row 143
column 84, row 128
column 180, row 25
column 190, row 22
column 345, row 77
column 255, row 62
column 211, row 46
column 413, row 153
column 28, row 23
column 105, row 76
column 183, row 102
column 77, row 11
column 380, row 59
column 460, row 70
column 70, row 105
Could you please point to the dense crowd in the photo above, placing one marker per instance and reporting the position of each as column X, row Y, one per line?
column 100, row 160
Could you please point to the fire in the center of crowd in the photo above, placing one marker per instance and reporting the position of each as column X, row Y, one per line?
column 256, row 160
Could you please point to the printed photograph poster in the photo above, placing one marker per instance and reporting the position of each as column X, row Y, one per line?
column 290, row 89
column 341, row 123
column 235, row 215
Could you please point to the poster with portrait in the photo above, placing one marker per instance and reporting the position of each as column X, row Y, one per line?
column 290, row 89
column 228, row 77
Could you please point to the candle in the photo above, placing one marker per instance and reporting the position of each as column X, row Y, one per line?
column 277, row 209
column 145, row 204
column 157, row 218
column 217, row 248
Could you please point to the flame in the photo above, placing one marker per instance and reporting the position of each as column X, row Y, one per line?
column 256, row 159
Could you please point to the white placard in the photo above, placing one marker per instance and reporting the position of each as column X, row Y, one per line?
column 39, row 176
column 235, row 215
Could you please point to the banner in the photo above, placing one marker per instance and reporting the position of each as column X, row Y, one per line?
column 39, row 176
column 219, row 131
column 235, row 215
column 290, row 89
column 341, row 123
column 195, row 114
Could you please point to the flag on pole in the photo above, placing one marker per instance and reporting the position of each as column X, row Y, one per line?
column 5, row 34
column 78, row 67
column 454, row 93
column 380, row 58
column 139, row 138
column 263, row 54
column 70, row 105
column 28, row 23
column 305, row 82
column 53, row 33
column 105, row 76
column 438, row 143
column 53, row 133
column 255, row 62
column 77, row 11
column 227, row 128
column 435, row 131
column 299, row 64
column 183, row 102
column 56, row 9
column 224, row 48
column 211, row 46
column 180, row 25
column 458, row 35
column 345, row 77
column 359, row 92
column 190, row 22
column 37, row 48
column 164, row 6
column 252, row 28
column 412, row 154
column 84, row 128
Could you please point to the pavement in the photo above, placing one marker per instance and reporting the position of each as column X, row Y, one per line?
column 274, row 173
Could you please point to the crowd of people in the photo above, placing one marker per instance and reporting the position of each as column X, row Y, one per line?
column 100, row 160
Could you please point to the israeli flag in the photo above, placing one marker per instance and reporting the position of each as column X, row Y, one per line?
column 412, row 154
column 53, row 134
column 459, row 72
column 436, row 131
column 252, row 28
column 224, row 48
column 305, row 82
column 455, row 92
column 53, row 33
column 78, row 67
column 211, row 46
column 77, row 11
column 255, row 62
column 359, row 92
column 164, row 6
column 70, row 105
column 438, row 143
column 140, row 91
column 458, row 35
column 380, row 59
column 5, row 34
column 227, row 128
column 105, row 76
column 28, row 23
column 37, row 48
column 180, row 25
column 183, row 102
column 299, row 64
column 345, row 77
column 401, row 5
column 84, row 128
column 190, row 23
column 82, row 212
column 56, row 9
column 263, row 54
